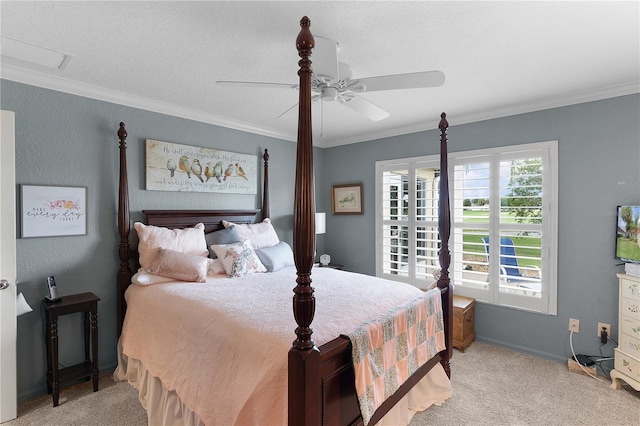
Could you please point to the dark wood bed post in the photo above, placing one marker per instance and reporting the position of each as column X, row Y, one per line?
column 305, row 400
column 124, row 274
column 265, row 184
column 444, row 228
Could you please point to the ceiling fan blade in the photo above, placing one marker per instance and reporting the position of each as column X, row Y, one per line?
column 257, row 84
column 363, row 106
column 414, row 80
column 313, row 99
column 324, row 59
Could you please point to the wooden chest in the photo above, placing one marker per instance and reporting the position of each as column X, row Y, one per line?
column 463, row 326
column 627, row 354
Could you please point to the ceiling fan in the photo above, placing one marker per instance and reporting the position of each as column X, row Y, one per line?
column 333, row 81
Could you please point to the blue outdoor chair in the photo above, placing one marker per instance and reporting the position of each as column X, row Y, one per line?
column 509, row 268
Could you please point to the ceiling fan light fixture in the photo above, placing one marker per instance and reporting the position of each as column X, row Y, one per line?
column 330, row 94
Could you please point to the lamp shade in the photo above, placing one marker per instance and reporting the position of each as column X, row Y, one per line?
column 22, row 307
column 321, row 223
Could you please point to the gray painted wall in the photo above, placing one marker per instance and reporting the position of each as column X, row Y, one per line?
column 63, row 139
column 598, row 148
column 69, row 140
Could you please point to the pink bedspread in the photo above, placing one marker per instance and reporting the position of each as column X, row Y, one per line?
column 390, row 348
column 222, row 345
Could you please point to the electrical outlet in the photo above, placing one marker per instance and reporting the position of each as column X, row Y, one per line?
column 574, row 325
column 607, row 327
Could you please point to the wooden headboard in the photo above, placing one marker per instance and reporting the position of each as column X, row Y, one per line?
column 212, row 219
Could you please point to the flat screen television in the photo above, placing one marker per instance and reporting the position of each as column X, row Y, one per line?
column 628, row 234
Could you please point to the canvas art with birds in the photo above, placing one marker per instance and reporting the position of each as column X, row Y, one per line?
column 175, row 167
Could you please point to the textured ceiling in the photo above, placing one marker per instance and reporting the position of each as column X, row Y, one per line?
column 499, row 58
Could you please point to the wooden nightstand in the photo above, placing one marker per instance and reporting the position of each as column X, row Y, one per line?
column 463, row 325
column 84, row 302
column 331, row 265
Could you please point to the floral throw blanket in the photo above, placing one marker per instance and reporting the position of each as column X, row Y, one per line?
column 391, row 347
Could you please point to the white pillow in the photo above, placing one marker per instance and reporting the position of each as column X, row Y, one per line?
column 238, row 259
column 142, row 277
column 181, row 266
column 260, row 234
column 153, row 238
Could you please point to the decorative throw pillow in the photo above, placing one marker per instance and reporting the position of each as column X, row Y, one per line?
column 153, row 238
column 181, row 266
column 223, row 236
column 276, row 257
column 260, row 234
column 238, row 259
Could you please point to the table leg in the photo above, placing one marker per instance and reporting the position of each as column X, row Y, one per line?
column 94, row 347
column 55, row 384
column 87, row 336
column 49, row 369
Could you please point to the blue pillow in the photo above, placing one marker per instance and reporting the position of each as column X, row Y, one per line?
column 276, row 257
column 224, row 236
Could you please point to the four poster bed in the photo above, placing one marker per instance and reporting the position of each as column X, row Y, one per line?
column 212, row 350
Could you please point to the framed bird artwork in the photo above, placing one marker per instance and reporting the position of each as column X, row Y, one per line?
column 346, row 199
column 176, row 167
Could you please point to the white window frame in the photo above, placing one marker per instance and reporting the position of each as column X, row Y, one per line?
column 411, row 165
column 547, row 303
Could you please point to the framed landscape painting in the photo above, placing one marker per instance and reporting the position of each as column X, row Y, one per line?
column 346, row 199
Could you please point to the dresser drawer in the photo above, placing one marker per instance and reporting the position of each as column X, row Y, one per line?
column 627, row 365
column 630, row 308
column 629, row 345
column 630, row 289
column 630, row 327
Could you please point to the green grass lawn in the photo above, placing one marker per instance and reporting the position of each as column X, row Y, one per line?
column 529, row 247
column 628, row 249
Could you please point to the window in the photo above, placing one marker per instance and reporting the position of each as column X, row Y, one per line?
column 408, row 220
column 503, row 201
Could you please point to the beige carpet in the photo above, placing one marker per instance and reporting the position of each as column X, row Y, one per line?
column 491, row 386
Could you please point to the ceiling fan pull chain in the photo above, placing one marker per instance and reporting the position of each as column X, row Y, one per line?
column 321, row 118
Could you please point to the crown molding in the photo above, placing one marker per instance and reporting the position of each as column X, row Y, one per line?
column 47, row 81
column 516, row 109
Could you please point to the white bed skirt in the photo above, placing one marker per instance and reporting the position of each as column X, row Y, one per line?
column 165, row 408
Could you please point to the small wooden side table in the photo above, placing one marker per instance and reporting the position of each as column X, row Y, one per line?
column 88, row 304
column 463, row 322
column 331, row 265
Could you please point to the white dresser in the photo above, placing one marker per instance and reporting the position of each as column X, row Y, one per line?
column 627, row 354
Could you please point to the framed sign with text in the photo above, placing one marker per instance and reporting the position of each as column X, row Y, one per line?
column 175, row 167
column 53, row 211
